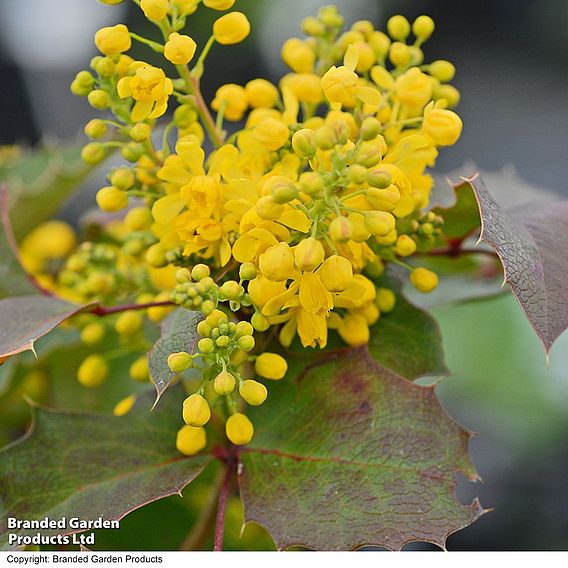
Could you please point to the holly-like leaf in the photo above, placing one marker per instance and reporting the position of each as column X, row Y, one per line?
column 91, row 465
column 179, row 333
column 532, row 244
column 350, row 454
column 25, row 319
column 461, row 219
column 408, row 341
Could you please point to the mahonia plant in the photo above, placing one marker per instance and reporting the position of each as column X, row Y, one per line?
column 279, row 228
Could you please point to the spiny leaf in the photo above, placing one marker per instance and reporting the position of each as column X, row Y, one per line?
column 532, row 243
column 350, row 454
column 86, row 465
column 25, row 319
column 179, row 333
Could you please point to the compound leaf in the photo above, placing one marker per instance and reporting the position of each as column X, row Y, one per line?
column 532, row 244
column 94, row 465
column 349, row 454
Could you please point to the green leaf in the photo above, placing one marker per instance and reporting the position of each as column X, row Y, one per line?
column 349, row 454
column 179, row 333
column 25, row 319
column 91, row 465
column 408, row 341
column 39, row 181
column 532, row 245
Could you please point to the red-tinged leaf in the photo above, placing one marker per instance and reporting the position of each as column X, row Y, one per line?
column 348, row 454
column 25, row 319
column 532, row 244
column 94, row 465
column 179, row 333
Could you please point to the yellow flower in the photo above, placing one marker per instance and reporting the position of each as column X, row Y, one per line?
column 309, row 254
column 196, row 411
column 336, row 273
column 150, row 88
column 298, row 55
column 191, row 440
column 233, row 98
column 442, row 126
column 354, row 330
column 424, row 280
column 239, row 429
column 261, row 93
column 306, row 87
column 253, row 392
column 155, row 9
column 338, row 85
column 179, row 49
column 231, row 28
column 113, row 40
column 277, row 262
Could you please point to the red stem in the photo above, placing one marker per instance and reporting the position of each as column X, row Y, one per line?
column 102, row 311
column 222, row 507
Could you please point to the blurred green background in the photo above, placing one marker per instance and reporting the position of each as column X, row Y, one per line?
column 512, row 59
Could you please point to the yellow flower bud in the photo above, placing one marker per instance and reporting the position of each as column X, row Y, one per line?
column 123, row 178
column 139, row 369
column 424, row 280
column 179, row 49
column 413, row 88
column 95, row 128
column 156, row 256
column 360, row 231
column 247, row 271
column 405, row 246
column 283, row 191
column 220, row 5
column 340, row 230
column 442, row 126
column 239, row 429
column 99, row 99
column 93, row 153
column 379, row 178
column 298, row 55
column 304, row 143
column 261, row 93
column 231, row 28
column 196, row 411
column 267, row 209
column 253, row 392
column 111, row 199
column 105, row 67
column 309, row 254
column 448, row 93
column 423, row 27
column 246, row 342
column 336, row 273
column 387, row 240
column 379, row 223
column 384, row 199
column 313, row 27
column 399, row 54
column 111, row 2
column 206, row 345
column 442, row 70
column 155, row 9
column 398, row 28
column 224, row 383
column 180, row 362
column 369, row 154
column 370, row 128
column 92, row 371
column 311, row 183
column 271, row 133
column 124, row 406
column 231, row 290
column 93, row 333
column 338, row 85
column 191, row 440
column 233, row 98
column 113, row 40
column 380, row 42
column 271, row 366
column 354, row 330
column 277, row 262
column 385, row 300
column 128, row 323
column 259, row 322
column 138, row 219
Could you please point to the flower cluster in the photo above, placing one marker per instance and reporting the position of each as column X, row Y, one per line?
column 285, row 226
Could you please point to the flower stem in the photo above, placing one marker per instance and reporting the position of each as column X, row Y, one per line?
column 222, row 507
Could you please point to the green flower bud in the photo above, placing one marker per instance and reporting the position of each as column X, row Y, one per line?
column 96, row 128
column 304, row 143
column 179, row 362
column 370, row 128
